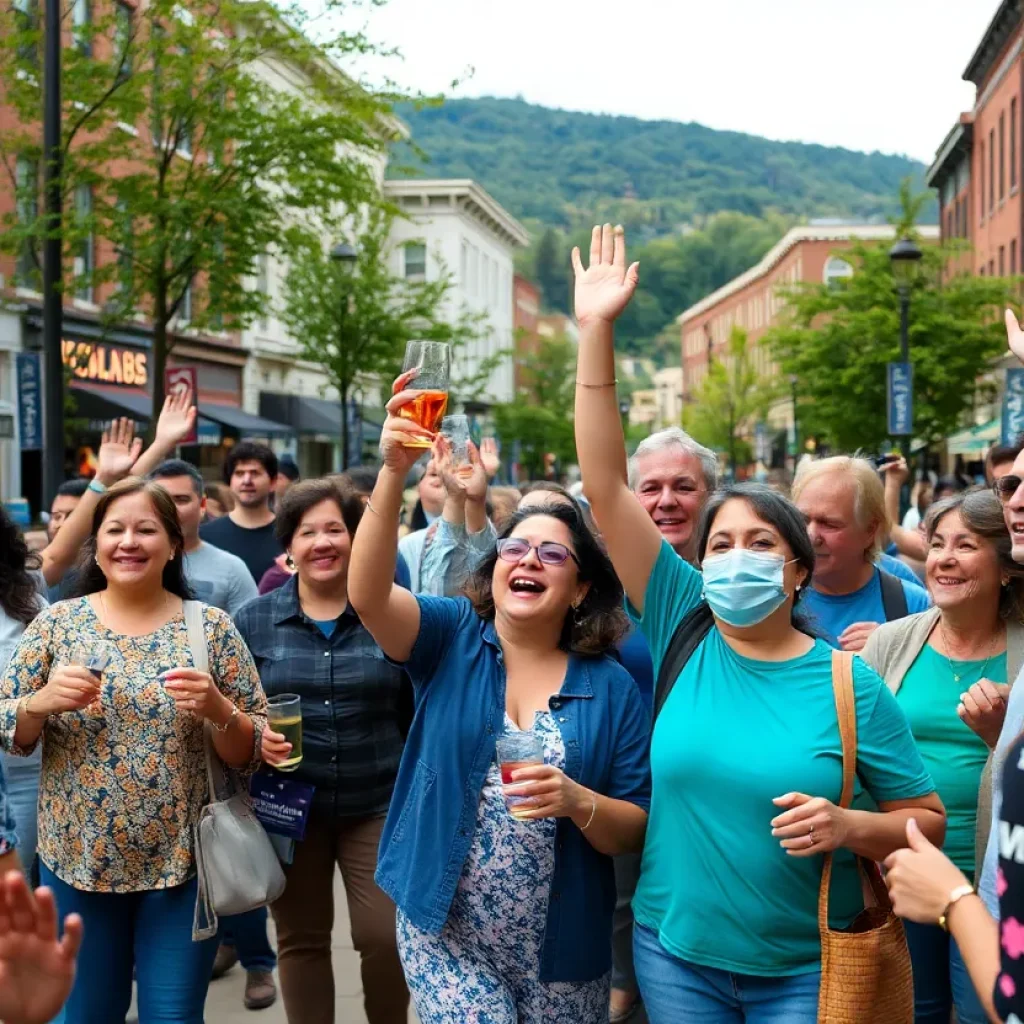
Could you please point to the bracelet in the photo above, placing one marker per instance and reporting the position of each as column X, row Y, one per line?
column 96, row 487
column 954, row 898
column 227, row 725
column 611, row 384
column 593, row 811
column 369, row 505
column 23, row 704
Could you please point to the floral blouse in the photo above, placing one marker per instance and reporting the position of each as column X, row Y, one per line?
column 124, row 780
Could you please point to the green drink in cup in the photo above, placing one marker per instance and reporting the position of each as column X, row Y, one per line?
column 284, row 715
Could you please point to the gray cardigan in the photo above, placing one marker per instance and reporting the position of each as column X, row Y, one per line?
column 894, row 647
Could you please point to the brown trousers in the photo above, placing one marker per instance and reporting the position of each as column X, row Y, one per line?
column 304, row 916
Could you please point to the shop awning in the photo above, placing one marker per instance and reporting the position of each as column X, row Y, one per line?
column 320, row 417
column 973, row 440
column 244, row 423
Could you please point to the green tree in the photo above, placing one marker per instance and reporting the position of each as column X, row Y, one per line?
column 838, row 339
column 551, row 270
column 355, row 321
column 215, row 163
column 728, row 401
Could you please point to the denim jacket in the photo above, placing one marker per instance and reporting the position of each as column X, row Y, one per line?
column 458, row 674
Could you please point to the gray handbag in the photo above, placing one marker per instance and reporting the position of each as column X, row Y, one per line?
column 237, row 866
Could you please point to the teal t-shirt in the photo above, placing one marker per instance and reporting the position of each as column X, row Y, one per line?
column 955, row 756
column 716, row 887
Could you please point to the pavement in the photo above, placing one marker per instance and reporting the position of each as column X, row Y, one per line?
column 224, row 1001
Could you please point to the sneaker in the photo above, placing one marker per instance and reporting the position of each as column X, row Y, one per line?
column 260, row 990
column 227, row 957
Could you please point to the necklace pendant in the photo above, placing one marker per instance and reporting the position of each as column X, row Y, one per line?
column 956, row 678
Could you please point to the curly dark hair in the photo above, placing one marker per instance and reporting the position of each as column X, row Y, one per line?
column 90, row 578
column 599, row 622
column 19, row 592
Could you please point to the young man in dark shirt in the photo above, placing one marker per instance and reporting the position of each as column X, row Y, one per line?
column 250, row 470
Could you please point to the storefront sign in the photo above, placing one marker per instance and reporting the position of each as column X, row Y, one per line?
column 1013, row 406
column 106, row 364
column 30, row 402
column 900, row 394
column 179, row 380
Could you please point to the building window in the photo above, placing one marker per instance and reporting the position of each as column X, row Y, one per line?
column 185, row 309
column 981, row 181
column 26, row 20
column 1002, row 157
column 415, row 255
column 28, row 263
column 1013, row 143
column 1013, row 257
column 123, row 32
column 81, row 18
column 1002, row 261
column 991, row 268
column 85, row 247
column 464, row 264
column 991, row 170
column 836, row 271
column 949, row 222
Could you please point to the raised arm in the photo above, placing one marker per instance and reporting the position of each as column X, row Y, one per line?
column 389, row 612
column 176, row 422
column 602, row 292
column 909, row 542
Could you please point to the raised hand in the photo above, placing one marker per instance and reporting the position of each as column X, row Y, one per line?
column 119, row 451
column 37, row 969
column 177, row 419
column 604, row 289
column 896, row 473
column 399, row 430
column 1014, row 335
column 467, row 482
column 489, row 457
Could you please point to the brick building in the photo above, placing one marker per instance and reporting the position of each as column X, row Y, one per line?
column 753, row 302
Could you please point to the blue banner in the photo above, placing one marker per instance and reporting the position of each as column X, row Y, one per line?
column 900, row 399
column 281, row 804
column 30, row 402
column 1013, row 406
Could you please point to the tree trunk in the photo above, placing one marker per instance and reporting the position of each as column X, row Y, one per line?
column 159, row 361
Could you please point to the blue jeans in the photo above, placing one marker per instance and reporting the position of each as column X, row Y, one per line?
column 941, row 980
column 674, row 990
column 248, row 934
column 150, row 931
column 22, row 777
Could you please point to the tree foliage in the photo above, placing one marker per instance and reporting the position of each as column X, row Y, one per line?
column 729, row 400
column 354, row 321
column 182, row 148
column 838, row 339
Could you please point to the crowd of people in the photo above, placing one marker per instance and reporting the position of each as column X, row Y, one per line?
column 741, row 703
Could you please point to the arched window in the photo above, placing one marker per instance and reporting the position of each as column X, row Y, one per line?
column 836, row 270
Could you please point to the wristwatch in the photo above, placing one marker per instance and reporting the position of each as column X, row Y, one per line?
column 954, row 898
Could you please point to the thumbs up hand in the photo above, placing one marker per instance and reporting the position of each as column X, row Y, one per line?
column 920, row 878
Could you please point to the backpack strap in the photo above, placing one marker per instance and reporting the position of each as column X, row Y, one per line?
column 894, row 597
column 692, row 628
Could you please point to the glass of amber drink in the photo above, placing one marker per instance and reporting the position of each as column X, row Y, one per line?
column 517, row 750
column 432, row 361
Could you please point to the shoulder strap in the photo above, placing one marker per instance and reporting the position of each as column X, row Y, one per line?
column 693, row 627
column 894, row 597
column 193, row 610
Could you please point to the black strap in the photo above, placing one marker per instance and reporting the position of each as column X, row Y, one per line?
column 687, row 637
column 894, row 597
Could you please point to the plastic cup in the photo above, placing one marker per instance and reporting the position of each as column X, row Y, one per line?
column 284, row 715
column 516, row 750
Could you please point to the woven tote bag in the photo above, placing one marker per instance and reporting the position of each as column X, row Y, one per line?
column 865, row 969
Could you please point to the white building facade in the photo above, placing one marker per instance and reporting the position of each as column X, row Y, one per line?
column 455, row 227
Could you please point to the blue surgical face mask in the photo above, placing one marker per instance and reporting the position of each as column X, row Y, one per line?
column 744, row 587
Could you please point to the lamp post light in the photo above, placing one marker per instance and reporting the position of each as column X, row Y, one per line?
column 344, row 256
column 905, row 258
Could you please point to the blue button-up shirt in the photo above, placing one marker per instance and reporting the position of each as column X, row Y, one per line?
column 458, row 674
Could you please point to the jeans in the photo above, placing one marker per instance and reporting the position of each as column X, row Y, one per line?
column 941, row 981
column 21, row 775
column 627, row 874
column 150, row 931
column 247, row 933
column 674, row 990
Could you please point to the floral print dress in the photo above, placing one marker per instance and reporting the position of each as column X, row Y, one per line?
column 124, row 780
column 484, row 967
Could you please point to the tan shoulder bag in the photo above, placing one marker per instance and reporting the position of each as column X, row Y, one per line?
column 865, row 969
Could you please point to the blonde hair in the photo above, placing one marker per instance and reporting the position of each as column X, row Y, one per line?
column 868, row 492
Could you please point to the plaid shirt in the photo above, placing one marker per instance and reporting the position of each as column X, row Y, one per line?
column 351, row 736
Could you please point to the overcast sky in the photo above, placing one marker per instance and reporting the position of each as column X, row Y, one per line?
column 866, row 74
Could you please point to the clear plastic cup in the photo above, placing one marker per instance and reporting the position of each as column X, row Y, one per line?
column 517, row 750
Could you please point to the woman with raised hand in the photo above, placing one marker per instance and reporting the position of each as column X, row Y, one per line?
column 506, row 918
column 124, row 777
column 746, row 756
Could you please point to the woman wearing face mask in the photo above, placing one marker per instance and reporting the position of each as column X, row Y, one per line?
column 506, row 918
column 746, row 756
column 307, row 639
column 948, row 668
column 124, row 772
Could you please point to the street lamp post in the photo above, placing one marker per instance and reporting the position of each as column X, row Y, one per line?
column 343, row 256
column 793, row 379
column 905, row 257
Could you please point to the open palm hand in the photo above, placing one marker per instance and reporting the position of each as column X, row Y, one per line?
column 604, row 289
column 37, row 969
column 119, row 451
column 177, row 418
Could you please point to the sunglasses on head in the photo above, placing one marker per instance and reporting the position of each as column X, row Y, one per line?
column 549, row 552
column 1006, row 487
